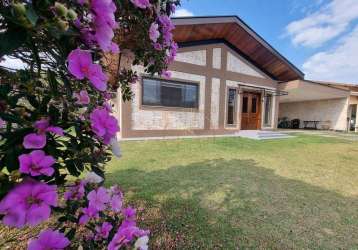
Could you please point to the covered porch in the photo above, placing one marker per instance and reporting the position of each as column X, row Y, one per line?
column 316, row 105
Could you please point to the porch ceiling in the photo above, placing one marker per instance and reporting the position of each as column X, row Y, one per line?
column 299, row 91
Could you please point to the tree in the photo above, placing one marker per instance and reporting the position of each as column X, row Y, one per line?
column 55, row 116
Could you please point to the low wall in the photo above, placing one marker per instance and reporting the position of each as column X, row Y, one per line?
column 331, row 112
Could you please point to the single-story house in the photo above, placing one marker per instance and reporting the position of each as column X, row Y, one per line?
column 225, row 78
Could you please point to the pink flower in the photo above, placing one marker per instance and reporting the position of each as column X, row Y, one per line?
column 75, row 192
column 34, row 141
column 80, row 66
column 129, row 213
column 98, row 199
column 79, row 62
column 28, row 203
column 97, row 77
column 114, row 48
column 116, row 203
column 127, row 232
column 2, row 123
column 43, row 126
column 48, row 240
column 104, row 23
column 36, row 163
column 158, row 46
column 82, row 97
column 154, row 32
column 38, row 140
column 103, row 231
column 166, row 74
column 88, row 213
column 103, row 124
column 143, row 4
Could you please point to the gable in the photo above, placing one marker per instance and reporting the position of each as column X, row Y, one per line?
column 239, row 65
column 193, row 57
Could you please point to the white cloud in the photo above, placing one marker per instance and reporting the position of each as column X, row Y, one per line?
column 183, row 12
column 321, row 26
column 338, row 64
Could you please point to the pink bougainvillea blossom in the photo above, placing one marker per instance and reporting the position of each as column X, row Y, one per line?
column 49, row 240
column 80, row 65
column 103, row 124
column 75, row 192
column 143, row 4
column 28, row 203
column 126, row 233
column 102, row 232
column 88, row 213
column 154, row 32
column 43, row 126
column 37, row 163
column 82, row 97
column 98, row 198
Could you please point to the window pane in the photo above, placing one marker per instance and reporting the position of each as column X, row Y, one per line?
column 268, row 107
column 231, row 106
column 151, row 92
column 170, row 94
column 253, row 104
column 245, row 101
column 191, row 96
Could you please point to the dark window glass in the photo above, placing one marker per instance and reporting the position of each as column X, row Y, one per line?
column 170, row 94
column 245, row 102
column 268, row 105
column 231, row 106
column 253, row 105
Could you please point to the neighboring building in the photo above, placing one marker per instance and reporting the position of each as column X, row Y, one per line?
column 334, row 105
column 225, row 79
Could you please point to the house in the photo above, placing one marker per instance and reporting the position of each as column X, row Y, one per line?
column 334, row 105
column 225, row 78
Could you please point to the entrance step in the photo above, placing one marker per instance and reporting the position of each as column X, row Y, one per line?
column 263, row 134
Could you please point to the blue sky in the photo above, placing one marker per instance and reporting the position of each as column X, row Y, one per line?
column 319, row 36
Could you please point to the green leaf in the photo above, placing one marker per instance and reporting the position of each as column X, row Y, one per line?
column 11, row 40
column 31, row 15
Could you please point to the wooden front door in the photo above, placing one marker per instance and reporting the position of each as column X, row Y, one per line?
column 251, row 111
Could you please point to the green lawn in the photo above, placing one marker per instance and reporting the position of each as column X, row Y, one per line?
column 231, row 193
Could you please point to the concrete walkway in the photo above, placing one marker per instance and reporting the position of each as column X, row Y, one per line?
column 325, row 133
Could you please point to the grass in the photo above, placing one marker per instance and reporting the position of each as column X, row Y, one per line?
column 231, row 193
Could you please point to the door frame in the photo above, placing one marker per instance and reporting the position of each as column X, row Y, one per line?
column 259, row 107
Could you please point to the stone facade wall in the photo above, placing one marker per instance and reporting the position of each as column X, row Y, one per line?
column 217, row 58
column 193, row 57
column 332, row 113
column 215, row 103
column 236, row 64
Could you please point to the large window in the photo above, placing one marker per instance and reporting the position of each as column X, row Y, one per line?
column 231, row 106
column 268, row 110
column 157, row 92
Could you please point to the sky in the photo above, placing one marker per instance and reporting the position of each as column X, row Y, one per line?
column 320, row 37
